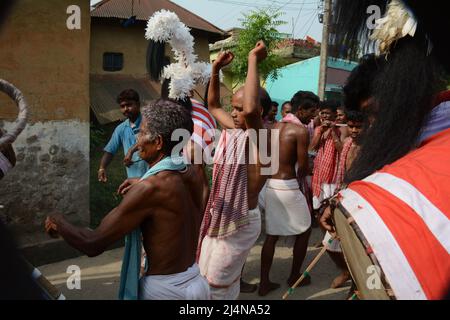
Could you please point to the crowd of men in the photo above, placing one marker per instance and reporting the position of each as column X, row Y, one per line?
column 391, row 175
column 196, row 247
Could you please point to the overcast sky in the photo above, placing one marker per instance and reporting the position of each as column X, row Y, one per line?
column 301, row 15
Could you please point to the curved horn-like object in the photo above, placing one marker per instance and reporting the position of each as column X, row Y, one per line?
column 21, row 121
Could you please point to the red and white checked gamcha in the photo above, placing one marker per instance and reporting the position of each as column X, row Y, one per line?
column 403, row 210
column 325, row 164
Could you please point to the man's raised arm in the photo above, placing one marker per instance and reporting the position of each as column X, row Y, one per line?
column 252, row 112
column 224, row 118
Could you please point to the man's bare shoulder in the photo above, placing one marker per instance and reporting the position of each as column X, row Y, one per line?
column 291, row 130
column 144, row 189
column 297, row 129
column 161, row 180
column 154, row 188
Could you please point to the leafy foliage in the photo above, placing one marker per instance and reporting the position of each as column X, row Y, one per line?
column 258, row 25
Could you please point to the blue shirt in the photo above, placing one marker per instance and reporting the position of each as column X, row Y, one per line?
column 125, row 135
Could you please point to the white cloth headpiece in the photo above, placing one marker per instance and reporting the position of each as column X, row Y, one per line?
column 186, row 72
column 397, row 23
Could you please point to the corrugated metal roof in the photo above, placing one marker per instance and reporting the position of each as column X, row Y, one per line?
column 104, row 90
column 143, row 9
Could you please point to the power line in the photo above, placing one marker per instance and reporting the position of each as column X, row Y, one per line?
column 232, row 12
column 307, row 21
column 284, row 5
column 312, row 22
column 296, row 19
column 254, row 5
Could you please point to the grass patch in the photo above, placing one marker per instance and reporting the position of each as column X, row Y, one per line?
column 103, row 196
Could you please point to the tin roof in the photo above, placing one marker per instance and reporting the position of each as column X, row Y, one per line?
column 104, row 90
column 143, row 9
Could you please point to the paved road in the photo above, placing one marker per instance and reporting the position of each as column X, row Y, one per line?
column 100, row 275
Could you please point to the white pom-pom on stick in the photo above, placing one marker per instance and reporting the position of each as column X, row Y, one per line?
column 165, row 26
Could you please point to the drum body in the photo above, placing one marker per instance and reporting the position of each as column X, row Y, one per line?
column 361, row 262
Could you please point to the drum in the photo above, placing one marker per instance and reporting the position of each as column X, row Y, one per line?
column 361, row 261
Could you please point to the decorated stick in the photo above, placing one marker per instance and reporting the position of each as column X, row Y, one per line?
column 306, row 272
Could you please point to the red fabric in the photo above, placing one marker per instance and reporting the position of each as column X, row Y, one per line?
column 325, row 164
column 290, row 118
column 227, row 208
column 442, row 97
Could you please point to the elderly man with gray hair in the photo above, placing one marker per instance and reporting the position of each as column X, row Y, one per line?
column 166, row 204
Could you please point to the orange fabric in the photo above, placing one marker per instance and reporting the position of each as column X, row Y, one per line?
column 428, row 170
column 427, row 257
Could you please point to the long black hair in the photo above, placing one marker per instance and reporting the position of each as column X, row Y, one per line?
column 402, row 90
column 156, row 59
column 350, row 23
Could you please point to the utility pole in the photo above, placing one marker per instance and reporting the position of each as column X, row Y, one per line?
column 324, row 49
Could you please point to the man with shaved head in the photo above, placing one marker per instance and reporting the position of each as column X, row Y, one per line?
column 232, row 221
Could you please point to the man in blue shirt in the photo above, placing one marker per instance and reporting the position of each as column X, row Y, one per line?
column 125, row 134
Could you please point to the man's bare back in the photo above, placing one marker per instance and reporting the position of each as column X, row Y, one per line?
column 293, row 141
column 170, row 231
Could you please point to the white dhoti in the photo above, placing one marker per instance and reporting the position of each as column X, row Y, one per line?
column 334, row 246
column 326, row 191
column 262, row 198
column 187, row 285
column 221, row 260
column 287, row 211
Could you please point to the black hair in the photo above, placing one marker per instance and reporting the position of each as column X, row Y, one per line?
column 205, row 96
column 351, row 17
column 354, row 116
column 436, row 23
column 265, row 101
column 163, row 117
column 186, row 102
column 156, row 59
column 285, row 103
column 304, row 100
column 275, row 104
column 329, row 104
column 128, row 94
column 402, row 90
column 358, row 86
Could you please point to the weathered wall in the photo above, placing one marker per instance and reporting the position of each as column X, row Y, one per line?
column 50, row 64
column 51, row 176
column 109, row 36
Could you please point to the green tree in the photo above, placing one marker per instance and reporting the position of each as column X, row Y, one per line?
column 258, row 25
